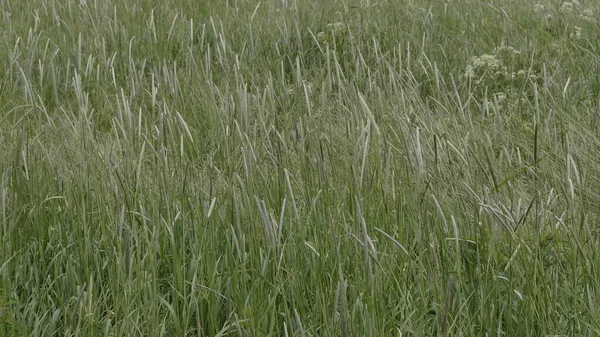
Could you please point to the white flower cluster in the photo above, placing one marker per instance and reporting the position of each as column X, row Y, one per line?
column 485, row 63
column 574, row 7
column 506, row 49
column 567, row 7
column 571, row 8
column 573, row 12
column 587, row 15
column 501, row 73
column 524, row 74
column 576, row 34
column 491, row 65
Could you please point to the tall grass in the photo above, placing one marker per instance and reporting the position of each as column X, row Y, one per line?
column 299, row 168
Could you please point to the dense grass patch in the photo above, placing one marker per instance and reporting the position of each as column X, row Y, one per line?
column 299, row 168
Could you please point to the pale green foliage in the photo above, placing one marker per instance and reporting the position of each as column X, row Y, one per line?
column 299, row 168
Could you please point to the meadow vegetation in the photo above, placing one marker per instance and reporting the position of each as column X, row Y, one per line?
column 299, row 168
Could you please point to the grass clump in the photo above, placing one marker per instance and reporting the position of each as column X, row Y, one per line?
column 348, row 168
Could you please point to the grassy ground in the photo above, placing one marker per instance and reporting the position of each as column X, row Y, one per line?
column 299, row 168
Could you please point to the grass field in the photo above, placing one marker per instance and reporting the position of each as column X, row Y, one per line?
column 299, row 168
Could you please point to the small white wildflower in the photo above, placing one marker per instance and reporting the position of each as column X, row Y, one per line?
column 525, row 74
column 566, row 7
column 490, row 61
column 486, row 64
column 507, row 49
column 502, row 72
column 587, row 15
column 469, row 72
column 538, row 8
column 576, row 33
column 89, row 318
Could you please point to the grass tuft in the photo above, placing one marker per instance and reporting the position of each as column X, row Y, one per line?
column 299, row 168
